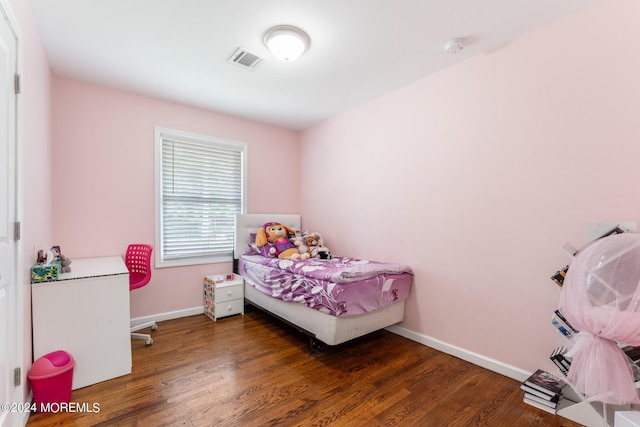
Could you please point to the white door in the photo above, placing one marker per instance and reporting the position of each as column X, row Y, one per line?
column 9, row 352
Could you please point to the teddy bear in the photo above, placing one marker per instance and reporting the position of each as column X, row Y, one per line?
column 276, row 235
column 313, row 243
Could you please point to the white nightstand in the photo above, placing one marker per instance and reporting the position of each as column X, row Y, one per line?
column 223, row 297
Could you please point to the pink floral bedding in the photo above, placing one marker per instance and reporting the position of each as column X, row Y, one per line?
column 339, row 286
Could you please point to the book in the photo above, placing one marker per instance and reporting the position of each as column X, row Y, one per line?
column 615, row 230
column 561, row 327
column 544, row 382
column 632, row 353
column 561, row 367
column 539, row 405
column 565, row 322
column 533, row 391
column 541, row 401
column 558, row 356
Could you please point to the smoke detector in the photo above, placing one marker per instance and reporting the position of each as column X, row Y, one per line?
column 454, row 46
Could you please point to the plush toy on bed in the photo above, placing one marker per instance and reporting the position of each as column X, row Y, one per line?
column 276, row 236
column 312, row 244
column 299, row 240
column 316, row 247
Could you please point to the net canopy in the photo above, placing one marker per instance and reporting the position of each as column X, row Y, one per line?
column 600, row 297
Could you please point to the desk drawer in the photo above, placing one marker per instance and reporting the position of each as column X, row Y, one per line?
column 228, row 293
column 229, row 308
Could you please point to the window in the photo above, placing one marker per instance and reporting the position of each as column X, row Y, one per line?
column 200, row 186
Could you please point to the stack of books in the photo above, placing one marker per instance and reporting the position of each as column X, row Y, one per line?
column 543, row 390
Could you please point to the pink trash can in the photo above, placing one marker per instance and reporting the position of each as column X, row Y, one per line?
column 51, row 378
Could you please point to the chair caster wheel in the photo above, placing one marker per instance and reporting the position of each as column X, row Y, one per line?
column 154, row 327
column 149, row 341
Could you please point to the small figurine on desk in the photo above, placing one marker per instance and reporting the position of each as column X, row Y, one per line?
column 64, row 260
column 56, row 251
column 66, row 263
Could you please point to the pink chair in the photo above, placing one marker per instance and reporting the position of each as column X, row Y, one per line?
column 138, row 261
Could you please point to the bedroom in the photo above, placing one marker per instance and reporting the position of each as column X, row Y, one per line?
column 482, row 170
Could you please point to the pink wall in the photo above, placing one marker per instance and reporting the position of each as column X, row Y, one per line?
column 103, row 151
column 477, row 175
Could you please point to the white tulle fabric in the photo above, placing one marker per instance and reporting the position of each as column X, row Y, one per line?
column 601, row 298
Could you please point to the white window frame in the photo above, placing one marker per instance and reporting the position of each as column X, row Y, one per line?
column 160, row 135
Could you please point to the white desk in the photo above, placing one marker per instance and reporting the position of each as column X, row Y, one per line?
column 86, row 313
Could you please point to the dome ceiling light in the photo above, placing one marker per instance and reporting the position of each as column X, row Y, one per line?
column 286, row 42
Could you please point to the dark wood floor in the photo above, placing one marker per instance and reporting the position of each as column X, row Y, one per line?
column 255, row 371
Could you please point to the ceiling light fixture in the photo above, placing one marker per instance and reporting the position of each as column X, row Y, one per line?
column 286, row 42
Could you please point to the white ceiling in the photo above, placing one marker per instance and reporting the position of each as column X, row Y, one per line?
column 178, row 49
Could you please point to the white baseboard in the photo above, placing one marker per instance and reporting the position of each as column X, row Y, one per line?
column 461, row 353
column 168, row 315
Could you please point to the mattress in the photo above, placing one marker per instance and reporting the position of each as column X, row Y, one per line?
column 329, row 329
column 340, row 287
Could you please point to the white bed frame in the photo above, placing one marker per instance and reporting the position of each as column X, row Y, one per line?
column 330, row 330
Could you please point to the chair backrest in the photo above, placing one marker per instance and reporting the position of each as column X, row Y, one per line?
column 138, row 261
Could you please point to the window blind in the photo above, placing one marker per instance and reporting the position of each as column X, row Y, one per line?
column 201, row 192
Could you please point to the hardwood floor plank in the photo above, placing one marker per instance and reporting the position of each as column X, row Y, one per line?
column 253, row 370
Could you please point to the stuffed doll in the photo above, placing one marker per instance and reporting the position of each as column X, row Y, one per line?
column 299, row 240
column 277, row 236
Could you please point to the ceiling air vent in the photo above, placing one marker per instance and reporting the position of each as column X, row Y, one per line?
column 245, row 59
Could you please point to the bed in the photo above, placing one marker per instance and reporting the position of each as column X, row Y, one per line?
column 341, row 306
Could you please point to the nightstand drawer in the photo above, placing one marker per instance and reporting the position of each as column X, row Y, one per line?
column 229, row 308
column 228, row 293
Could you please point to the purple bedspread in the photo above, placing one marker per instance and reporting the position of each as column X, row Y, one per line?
column 340, row 286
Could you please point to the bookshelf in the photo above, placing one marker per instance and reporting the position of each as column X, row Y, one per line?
column 573, row 405
column 591, row 414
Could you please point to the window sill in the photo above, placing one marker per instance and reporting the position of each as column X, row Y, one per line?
column 192, row 261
